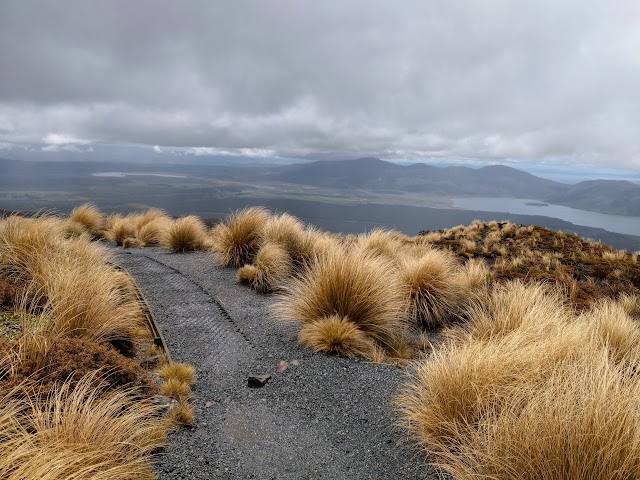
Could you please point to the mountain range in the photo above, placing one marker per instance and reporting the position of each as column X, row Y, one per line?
column 604, row 196
column 616, row 197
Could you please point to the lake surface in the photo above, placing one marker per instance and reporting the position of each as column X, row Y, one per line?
column 612, row 223
column 122, row 174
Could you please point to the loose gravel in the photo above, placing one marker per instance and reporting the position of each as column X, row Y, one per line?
column 325, row 418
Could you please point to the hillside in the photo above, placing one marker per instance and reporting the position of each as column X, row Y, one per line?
column 604, row 196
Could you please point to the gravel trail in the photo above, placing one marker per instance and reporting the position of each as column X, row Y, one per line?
column 325, row 418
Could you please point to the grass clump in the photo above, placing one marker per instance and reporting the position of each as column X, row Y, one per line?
column 529, row 389
column 334, row 334
column 89, row 217
column 185, row 234
column 236, row 241
column 182, row 372
column 433, row 288
column 79, row 431
column 272, row 266
column 353, row 286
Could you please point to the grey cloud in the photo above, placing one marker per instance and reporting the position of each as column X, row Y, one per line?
column 463, row 78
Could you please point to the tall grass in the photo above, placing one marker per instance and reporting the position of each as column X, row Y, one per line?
column 530, row 390
column 79, row 292
column 433, row 288
column 89, row 217
column 346, row 286
column 236, row 241
column 185, row 234
column 272, row 266
column 79, row 432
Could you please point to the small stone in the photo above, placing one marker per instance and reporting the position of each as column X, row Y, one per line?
column 164, row 403
column 295, row 362
column 282, row 366
column 258, row 381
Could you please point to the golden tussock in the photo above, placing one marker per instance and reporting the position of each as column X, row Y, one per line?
column 272, row 266
column 334, row 334
column 432, row 287
column 184, row 234
column 352, row 285
column 89, row 217
column 237, row 240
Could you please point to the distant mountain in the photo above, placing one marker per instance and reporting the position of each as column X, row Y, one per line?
column 604, row 196
column 372, row 173
column 617, row 197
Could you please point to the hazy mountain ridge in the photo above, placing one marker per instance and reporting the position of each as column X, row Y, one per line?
column 604, row 196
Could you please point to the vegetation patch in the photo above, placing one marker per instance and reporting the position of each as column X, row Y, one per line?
column 74, row 399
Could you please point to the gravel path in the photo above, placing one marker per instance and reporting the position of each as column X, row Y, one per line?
column 327, row 417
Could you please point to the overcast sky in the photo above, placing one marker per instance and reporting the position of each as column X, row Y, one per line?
column 548, row 80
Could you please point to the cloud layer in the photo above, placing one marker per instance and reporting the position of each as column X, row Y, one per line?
column 520, row 80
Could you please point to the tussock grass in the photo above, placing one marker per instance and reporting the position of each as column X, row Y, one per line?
column 580, row 423
column 432, row 287
column 182, row 413
column 121, row 229
column 79, row 432
column 334, row 334
column 183, row 372
column 536, row 309
column 284, row 230
column 236, row 241
column 89, row 217
column 151, row 233
column 175, row 388
column 272, row 266
column 66, row 406
column 352, row 285
column 185, row 234
column 72, row 229
column 525, row 388
column 385, row 243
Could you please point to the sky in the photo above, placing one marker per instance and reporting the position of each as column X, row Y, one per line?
column 505, row 80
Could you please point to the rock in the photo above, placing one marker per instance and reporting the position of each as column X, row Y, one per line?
column 164, row 403
column 258, row 381
column 282, row 366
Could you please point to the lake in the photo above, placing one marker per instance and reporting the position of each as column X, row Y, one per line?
column 612, row 223
column 122, row 174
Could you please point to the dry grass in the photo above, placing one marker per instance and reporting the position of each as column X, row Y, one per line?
column 183, row 372
column 79, row 432
column 334, row 334
column 530, row 390
column 288, row 232
column 65, row 408
column 432, row 288
column 185, row 234
column 151, row 226
column 89, row 217
column 385, row 243
column 579, row 423
column 272, row 266
column 236, row 241
column 538, row 308
column 182, row 413
column 353, row 286
column 121, row 228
